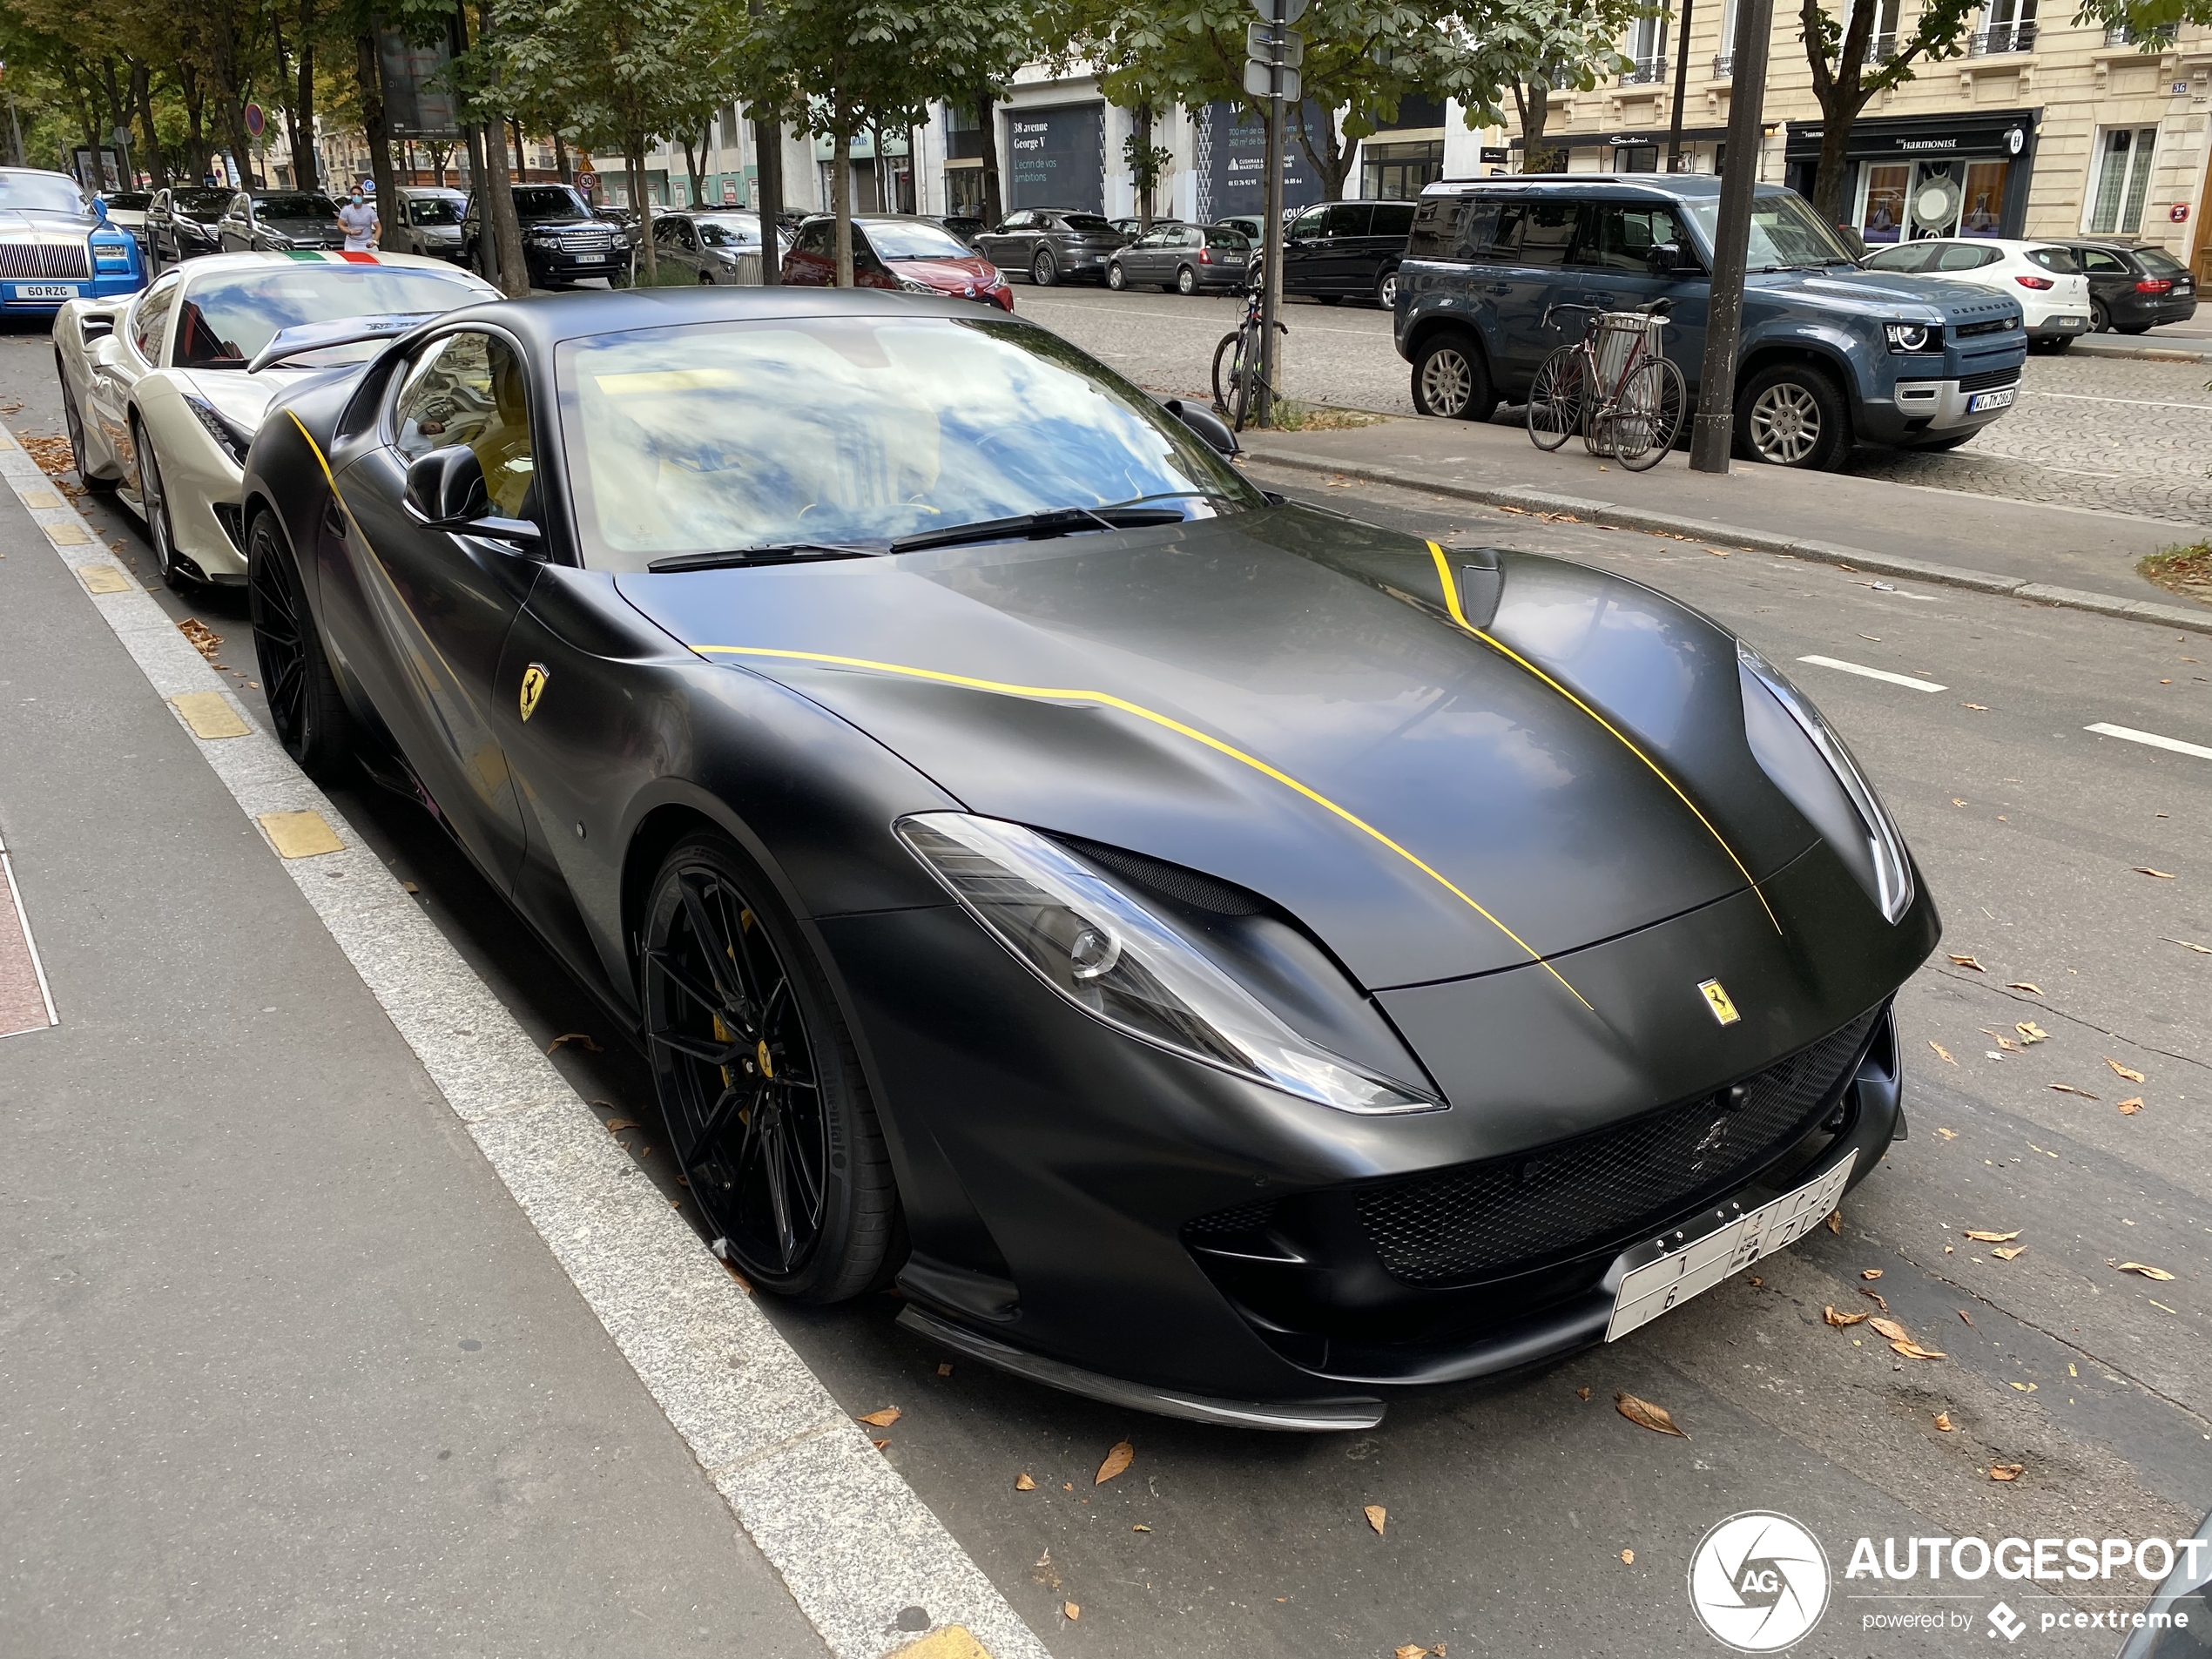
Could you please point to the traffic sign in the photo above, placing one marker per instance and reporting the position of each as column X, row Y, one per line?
column 587, row 181
column 1263, row 45
column 1260, row 81
column 256, row 122
column 1293, row 9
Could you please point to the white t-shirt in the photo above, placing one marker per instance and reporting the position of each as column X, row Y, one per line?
column 358, row 220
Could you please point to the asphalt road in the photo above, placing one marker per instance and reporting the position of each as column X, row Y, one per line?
column 1524, row 1518
column 2117, row 434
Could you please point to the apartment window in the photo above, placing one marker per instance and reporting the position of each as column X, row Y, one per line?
column 1724, row 60
column 2123, row 179
column 2006, row 26
column 1647, row 50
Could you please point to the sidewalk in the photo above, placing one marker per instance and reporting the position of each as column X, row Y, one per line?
column 1979, row 541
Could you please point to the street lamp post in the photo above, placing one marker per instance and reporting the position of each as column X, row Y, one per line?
column 1714, row 433
column 1273, row 56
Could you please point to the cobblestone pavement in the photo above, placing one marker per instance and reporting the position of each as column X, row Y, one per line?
column 2118, row 435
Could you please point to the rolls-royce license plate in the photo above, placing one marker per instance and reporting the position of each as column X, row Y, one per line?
column 1650, row 1291
column 44, row 291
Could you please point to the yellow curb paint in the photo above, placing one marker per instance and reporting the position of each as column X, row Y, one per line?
column 7, row 442
column 67, row 534
column 41, row 500
column 105, row 579
column 209, row 716
column 954, row 1642
column 299, row 835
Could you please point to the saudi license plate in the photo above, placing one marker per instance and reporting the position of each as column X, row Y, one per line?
column 45, row 291
column 1982, row 400
column 1650, row 1291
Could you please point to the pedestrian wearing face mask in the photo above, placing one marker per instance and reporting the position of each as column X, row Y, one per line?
column 358, row 219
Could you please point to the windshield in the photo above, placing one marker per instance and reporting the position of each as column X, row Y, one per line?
column 736, row 231
column 549, row 201
column 42, row 193
column 206, row 205
column 901, row 240
column 433, row 210
column 1087, row 224
column 225, row 320
column 1228, row 236
column 130, row 201
column 1785, row 233
column 294, row 208
column 854, row 431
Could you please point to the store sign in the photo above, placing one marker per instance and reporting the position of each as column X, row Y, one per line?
column 1232, row 160
column 862, row 146
column 1927, row 144
column 1056, row 157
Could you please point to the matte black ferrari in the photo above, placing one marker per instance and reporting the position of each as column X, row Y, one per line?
column 1210, row 953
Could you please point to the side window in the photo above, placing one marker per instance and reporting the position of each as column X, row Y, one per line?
column 1309, row 224
column 815, row 238
column 1434, row 222
column 1905, row 258
column 665, row 231
column 240, row 207
column 1546, row 232
column 1348, row 219
column 2100, row 263
column 150, row 320
column 467, row 387
column 1480, row 230
column 1620, row 235
column 1961, row 256
column 1392, row 218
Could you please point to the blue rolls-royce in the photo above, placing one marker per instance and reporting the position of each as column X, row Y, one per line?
column 56, row 245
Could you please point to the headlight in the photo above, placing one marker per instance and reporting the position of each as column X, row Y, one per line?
column 110, row 256
column 1912, row 336
column 1854, row 821
column 913, row 287
column 233, row 442
column 1122, row 963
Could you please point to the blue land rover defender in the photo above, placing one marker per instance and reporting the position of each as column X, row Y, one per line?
column 1831, row 355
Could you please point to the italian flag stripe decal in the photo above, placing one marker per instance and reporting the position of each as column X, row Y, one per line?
column 318, row 256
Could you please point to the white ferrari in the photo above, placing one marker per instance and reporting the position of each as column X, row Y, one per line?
column 164, row 389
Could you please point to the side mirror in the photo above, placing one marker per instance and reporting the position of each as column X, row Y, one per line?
column 1663, row 260
column 445, row 491
column 1206, row 424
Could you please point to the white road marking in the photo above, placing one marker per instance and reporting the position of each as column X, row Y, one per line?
column 2152, row 738
column 2132, row 402
column 1874, row 673
column 1198, row 319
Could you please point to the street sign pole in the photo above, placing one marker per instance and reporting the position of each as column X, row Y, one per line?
column 1714, row 433
column 1272, row 55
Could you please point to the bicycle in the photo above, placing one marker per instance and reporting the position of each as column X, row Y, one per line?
column 1241, row 349
column 1615, row 386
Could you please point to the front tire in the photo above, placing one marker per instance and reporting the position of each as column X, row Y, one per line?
column 1386, row 290
column 1451, row 381
column 761, row 1091
column 304, row 704
column 155, row 500
column 1793, row 415
column 1115, row 279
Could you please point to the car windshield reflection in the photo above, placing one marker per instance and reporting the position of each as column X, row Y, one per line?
column 846, row 431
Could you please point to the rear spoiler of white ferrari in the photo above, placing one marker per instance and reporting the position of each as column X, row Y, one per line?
column 321, row 336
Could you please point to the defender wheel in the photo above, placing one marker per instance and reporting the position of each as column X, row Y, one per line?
column 1451, row 381
column 1793, row 415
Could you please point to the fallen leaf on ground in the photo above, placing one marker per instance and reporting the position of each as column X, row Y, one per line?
column 879, row 1445
column 1892, row 1329
column 2006, row 1471
column 409, row 887
column 2202, row 950
column 1942, row 1053
column 1071, row 1610
column 2128, row 1072
column 2003, row 1042
column 1376, row 1516
column 1914, row 1351
column 1644, row 1414
column 1955, row 801
column 2022, row 985
column 2158, row 1273
column 885, row 1418
column 1839, row 1320
column 205, row 640
column 2068, row 1088
column 1968, row 961
column 1023, row 1483
column 1581, row 1394
column 1992, row 1238
column 1140, row 1527
column 2032, row 1032
column 2129, row 1107
column 1120, row 1458
column 1627, row 1558
column 2006, row 1253
column 1835, row 1223
column 1411, row 1650
column 1948, row 1134
column 2024, row 1387
column 1967, row 1317
column 2145, row 869
column 615, row 1125
column 743, row 1283
column 1871, row 1273
column 1943, row 1421
column 1978, row 708
column 589, row 1045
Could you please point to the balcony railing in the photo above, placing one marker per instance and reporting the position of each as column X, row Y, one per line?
column 2148, row 39
column 2003, row 41
column 1724, row 66
column 1646, row 72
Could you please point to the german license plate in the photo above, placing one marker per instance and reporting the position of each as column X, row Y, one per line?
column 1982, row 400
column 1650, row 1291
column 45, row 291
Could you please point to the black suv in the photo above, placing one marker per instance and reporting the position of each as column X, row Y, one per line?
column 1342, row 250
column 1051, row 245
column 2133, row 288
column 276, row 221
column 564, row 241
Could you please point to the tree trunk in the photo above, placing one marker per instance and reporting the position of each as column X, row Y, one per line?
column 304, row 167
column 370, row 85
column 987, row 122
column 1532, row 101
column 693, row 170
column 499, row 214
column 641, row 196
column 1334, row 163
column 195, row 127
column 1828, row 182
column 768, row 192
column 149, row 140
column 841, row 197
column 521, row 161
column 89, row 120
column 118, row 114
column 560, row 159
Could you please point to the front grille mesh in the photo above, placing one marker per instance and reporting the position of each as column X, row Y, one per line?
column 1989, row 379
column 20, row 260
column 1514, row 1212
column 1994, row 326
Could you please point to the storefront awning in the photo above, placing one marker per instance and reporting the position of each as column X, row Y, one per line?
column 1982, row 132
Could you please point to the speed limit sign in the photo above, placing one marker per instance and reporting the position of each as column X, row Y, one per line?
column 588, row 179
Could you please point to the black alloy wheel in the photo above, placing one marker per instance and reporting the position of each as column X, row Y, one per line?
column 760, row 1087
column 154, row 499
column 1044, row 271
column 75, row 422
column 305, row 704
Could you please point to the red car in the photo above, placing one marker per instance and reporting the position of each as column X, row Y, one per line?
column 896, row 251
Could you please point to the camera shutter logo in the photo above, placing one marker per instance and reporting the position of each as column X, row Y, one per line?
column 1759, row 1581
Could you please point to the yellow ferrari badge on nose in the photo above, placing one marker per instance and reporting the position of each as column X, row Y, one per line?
column 1717, row 999
column 534, row 679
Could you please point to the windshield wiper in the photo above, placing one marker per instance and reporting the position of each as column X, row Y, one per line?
column 767, row 553
column 1036, row 527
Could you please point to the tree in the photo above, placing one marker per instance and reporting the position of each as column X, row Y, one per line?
column 1549, row 48
column 1838, row 52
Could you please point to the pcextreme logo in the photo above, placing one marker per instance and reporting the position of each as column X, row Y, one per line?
column 1759, row 1581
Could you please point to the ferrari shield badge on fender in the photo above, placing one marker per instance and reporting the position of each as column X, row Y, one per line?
column 534, row 679
column 1715, row 994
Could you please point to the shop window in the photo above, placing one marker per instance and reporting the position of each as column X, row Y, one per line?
column 1981, row 212
column 1636, row 158
column 2124, row 156
column 1881, row 212
column 1397, row 172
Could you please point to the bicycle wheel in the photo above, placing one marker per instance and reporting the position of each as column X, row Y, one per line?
column 1555, row 400
column 1221, row 351
column 1244, row 378
column 1648, row 413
